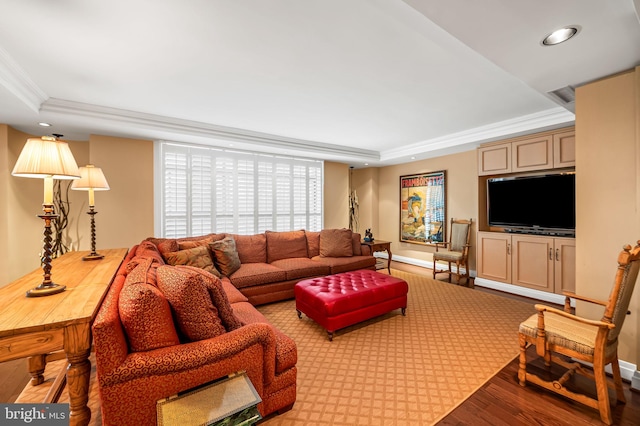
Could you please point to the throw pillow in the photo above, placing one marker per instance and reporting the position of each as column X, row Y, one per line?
column 165, row 245
column 251, row 248
column 225, row 255
column 189, row 298
column 145, row 313
column 198, row 256
column 286, row 245
column 218, row 297
column 191, row 242
column 145, row 250
column 336, row 243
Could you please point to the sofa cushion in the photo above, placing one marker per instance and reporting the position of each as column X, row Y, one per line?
column 301, row 267
column 145, row 250
column 345, row 264
column 251, row 248
column 225, row 256
column 218, row 297
column 251, row 274
column 285, row 245
column 233, row 294
column 197, row 256
column 313, row 243
column 336, row 243
column 191, row 303
column 191, row 242
column 145, row 313
column 164, row 245
column 286, row 350
column 357, row 246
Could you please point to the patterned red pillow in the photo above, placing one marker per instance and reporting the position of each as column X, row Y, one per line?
column 218, row 297
column 145, row 312
column 336, row 243
column 190, row 300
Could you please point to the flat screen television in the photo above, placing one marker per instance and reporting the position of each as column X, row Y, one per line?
column 538, row 204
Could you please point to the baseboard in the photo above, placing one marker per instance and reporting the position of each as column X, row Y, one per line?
column 628, row 371
column 422, row 263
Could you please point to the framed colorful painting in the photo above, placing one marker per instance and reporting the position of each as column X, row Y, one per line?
column 422, row 208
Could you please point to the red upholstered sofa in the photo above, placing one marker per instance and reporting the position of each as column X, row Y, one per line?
column 272, row 263
column 142, row 352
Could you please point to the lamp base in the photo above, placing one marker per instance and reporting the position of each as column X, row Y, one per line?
column 93, row 256
column 46, row 290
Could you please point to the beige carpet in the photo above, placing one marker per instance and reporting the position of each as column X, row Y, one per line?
column 391, row 370
column 395, row 370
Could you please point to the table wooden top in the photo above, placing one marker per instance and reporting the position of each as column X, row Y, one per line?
column 86, row 281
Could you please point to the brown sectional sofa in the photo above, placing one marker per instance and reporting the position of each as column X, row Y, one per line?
column 272, row 263
column 143, row 352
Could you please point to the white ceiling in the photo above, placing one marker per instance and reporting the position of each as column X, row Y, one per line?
column 359, row 81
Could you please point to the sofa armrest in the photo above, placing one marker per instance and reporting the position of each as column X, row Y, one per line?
column 366, row 250
column 188, row 356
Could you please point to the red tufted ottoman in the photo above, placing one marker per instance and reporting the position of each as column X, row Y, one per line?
column 341, row 300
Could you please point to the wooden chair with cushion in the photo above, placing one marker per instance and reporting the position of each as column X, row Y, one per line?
column 457, row 249
column 561, row 337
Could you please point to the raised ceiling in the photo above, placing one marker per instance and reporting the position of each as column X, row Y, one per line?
column 359, row 81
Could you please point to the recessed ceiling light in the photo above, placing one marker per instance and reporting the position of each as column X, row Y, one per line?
column 560, row 35
column 413, row 158
column 43, row 124
column 366, row 164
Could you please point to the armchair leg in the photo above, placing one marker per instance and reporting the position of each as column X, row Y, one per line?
column 603, row 393
column 450, row 271
column 522, row 365
column 617, row 380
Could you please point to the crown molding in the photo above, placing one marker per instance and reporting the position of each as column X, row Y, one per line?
column 18, row 82
column 519, row 125
column 176, row 127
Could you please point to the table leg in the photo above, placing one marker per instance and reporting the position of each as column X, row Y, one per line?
column 37, row 364
column 389, row 260
column 77, row 345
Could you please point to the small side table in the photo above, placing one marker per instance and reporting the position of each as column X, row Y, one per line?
column 230, row 401
column 379, row 245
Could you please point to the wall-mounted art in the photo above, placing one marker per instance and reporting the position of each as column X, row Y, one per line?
column 422, row 208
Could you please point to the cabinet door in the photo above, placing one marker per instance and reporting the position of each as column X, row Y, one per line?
column 532, row 262
column 532, row 154
column 564, row 258
column 494, row 159
column 564, row 149
column 494, row 256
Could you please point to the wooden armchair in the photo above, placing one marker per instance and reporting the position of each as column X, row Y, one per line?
column 555, row 332
column 457, row 248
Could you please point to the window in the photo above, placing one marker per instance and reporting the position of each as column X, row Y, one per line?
column 205, row 189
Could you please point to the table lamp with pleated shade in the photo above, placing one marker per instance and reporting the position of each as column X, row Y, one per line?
column 91, row 179
column 46, row 158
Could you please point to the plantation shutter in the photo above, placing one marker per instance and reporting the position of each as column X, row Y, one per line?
column 206, row 190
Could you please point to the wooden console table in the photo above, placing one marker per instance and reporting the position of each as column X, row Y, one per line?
column 34, row 327
column 379, row 245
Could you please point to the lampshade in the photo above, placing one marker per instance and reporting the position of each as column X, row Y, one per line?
column 91, row 177
column 46, row 157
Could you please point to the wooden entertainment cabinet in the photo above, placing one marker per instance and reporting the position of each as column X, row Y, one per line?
column 540, row 262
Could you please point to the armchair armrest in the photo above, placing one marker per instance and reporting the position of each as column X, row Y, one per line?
column 189, row 356
column 570, row 295
column 442, row 244
column 596, row 323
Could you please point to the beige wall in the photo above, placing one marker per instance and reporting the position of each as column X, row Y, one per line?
column 336, row 195
column 365, row 182
column 462, row 199
column 608, row 192
column 125, row 212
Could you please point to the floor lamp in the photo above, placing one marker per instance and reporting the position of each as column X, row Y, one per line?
column 46, row 158
column 91, row 179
